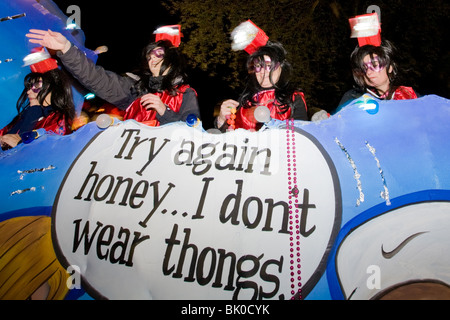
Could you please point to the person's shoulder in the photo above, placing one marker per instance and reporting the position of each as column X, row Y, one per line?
column 407, row 92
column 354, row 92
column 186, row 88
column 351, row 94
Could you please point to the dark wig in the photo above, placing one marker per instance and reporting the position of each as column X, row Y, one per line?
column 385, row 54
column 284, row 89
column 55, row 82
column 173, row 61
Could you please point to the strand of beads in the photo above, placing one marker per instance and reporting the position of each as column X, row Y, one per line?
column 294, row 225
column 231, row 120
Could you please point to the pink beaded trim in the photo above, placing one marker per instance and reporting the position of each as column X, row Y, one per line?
column 294, row 218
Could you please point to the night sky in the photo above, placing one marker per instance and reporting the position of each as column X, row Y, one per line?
column 124, row 29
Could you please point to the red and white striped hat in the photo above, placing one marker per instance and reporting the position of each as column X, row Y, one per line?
column 171, row 33
column 366, row 28
column 40, row 61
column 248, row 36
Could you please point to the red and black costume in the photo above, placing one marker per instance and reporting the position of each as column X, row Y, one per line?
column 404, row 93
column 185, row 95
column 245, row 118
column 400, row 93
column 37, row 117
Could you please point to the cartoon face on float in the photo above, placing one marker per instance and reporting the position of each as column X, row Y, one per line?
column 404, row 257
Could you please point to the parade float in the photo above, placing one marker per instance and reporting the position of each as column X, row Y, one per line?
column 356, row 206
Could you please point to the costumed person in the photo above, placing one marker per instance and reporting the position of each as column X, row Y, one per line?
column 269, row 88
column 157, row 95
column 46, row 101
column 373, row 63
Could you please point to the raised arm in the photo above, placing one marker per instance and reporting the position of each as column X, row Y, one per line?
column 108, row 85
column 49, row 39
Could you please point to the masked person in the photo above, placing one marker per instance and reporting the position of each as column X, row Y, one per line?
column 158, row 95
column 46, row 101
column 373, row 65
column 269, row 85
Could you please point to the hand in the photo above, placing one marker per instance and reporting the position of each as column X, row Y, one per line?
column 225, row 111
column 320, row 115
column 152, row 101
column 9, row 140
column 49, row 39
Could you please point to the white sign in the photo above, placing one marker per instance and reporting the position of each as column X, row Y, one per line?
column 176, row 213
